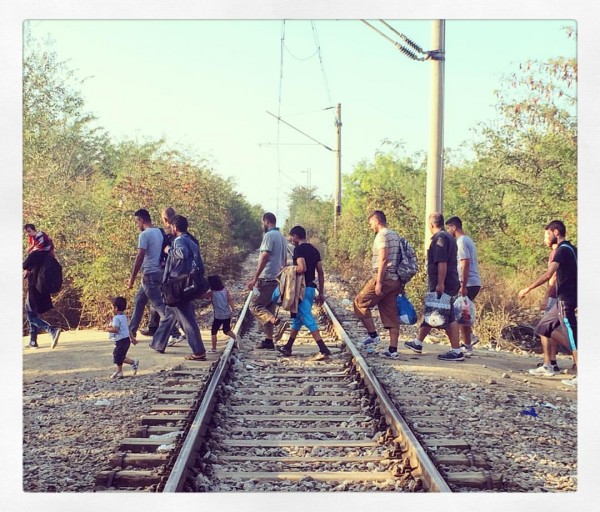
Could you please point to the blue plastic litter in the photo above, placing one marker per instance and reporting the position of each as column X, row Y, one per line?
column 530, row 412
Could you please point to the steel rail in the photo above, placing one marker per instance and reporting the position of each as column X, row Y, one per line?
column 420, row 461
column 195, row 435
column 422, row 465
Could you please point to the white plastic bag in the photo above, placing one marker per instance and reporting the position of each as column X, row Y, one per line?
column 464, row 311
column 437, row 310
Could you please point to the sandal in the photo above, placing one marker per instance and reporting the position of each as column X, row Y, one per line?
column 194, row 357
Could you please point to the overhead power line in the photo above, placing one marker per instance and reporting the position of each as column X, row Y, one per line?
column 300, row 131
column 410, row 53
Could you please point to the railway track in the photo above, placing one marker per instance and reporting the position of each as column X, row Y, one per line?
column 254, row 421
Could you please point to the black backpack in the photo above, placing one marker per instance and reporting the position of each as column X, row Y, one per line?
column 50, row 276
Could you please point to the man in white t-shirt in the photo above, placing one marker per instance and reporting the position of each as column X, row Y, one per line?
column 468, row 273
column 150, row 243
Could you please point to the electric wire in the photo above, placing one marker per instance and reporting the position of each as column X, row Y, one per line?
column 405, row 39
column 318, row 45
column 410, row 54
column 282, row 46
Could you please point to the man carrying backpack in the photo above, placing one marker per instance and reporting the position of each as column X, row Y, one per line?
column 383, row 287
column 41, row 275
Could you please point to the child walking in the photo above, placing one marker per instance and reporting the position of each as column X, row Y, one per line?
column 119, row 333
column 222, row 307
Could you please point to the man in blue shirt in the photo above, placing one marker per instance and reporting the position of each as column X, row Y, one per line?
column 148, row 260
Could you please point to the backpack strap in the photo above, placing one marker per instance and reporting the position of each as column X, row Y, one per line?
column 572, row 250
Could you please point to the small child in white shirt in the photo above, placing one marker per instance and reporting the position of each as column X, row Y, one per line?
column 119, row 333
column 222, row 307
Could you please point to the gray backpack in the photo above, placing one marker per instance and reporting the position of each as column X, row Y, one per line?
column 407, row 261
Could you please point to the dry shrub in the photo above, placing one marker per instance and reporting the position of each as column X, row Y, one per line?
column 498, row 306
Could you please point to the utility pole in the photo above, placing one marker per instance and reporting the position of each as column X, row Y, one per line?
column 435, row 161
column 338, row 173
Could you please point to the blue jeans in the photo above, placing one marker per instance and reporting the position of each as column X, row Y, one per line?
column 36, row 324
column 149, row 290
column 185, row 314
column 305, row 316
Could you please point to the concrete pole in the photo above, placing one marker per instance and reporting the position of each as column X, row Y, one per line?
column 434, row 199
column 338, row 173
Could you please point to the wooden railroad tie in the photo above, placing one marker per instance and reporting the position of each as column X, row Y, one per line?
column 296, row 476
column 127, row 478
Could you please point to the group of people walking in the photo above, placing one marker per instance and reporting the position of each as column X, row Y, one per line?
column 452, row 269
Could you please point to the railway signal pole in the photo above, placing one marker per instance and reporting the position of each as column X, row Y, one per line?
column 434, row 198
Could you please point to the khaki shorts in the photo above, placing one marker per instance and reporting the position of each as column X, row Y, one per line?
column 386, row 303
column 261, row 305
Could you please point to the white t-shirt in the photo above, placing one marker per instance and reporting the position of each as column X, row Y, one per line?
column 120, row 322
column 467, row 250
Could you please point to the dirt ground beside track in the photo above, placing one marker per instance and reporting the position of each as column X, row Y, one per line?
column 87, row 354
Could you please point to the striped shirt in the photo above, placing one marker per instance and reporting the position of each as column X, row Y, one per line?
column 390, row 239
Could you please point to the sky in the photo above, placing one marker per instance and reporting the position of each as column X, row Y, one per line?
column 207, row 85
column 210, row 88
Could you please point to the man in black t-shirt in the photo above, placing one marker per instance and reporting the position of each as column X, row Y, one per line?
column 308, row 262
column 559, row 323
column 442, row 277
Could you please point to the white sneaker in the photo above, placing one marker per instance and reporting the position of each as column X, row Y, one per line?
column 543, row 371
column 135, row 366
column 117, row 375
column 368, row 340
column 174, row 340
column 570, row 382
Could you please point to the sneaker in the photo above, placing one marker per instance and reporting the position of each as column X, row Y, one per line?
column 283, row 350
column 474, row 340
column 467, row 350
column 554, row 367
column 414, row 346
column 370, row 341
column 570, row 382
column 135, row 366
column 267, row 345
column 33, row 344
column 174, row 339
column 543, row 371
column 281, row 328
column 55, row 335
column 390, row 355
column 451, row 356
column 117, row 375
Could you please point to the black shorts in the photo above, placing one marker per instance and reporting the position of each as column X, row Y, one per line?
column 226, row 323
column 473, row 291
column 560, row 316
column 120, row 351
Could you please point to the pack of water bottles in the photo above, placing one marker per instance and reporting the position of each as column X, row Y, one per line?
column 464, row 311
column 436, row 312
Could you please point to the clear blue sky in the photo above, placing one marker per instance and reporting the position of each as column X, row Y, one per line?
column 207, row 86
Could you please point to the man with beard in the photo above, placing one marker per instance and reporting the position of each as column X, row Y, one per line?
column 560, row 321
column 273, row 257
